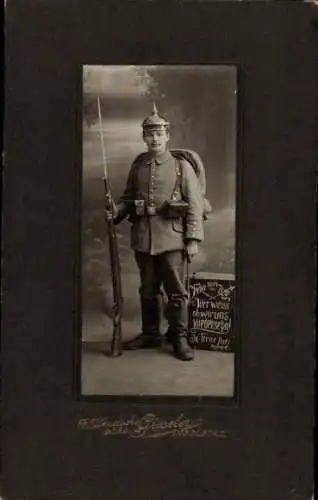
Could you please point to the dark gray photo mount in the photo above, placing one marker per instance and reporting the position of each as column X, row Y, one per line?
column 55, row 444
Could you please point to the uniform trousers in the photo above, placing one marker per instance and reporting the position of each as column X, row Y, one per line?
column 168, row 270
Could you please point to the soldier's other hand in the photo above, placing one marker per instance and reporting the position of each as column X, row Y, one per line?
column 192, row 248
column 108, row 215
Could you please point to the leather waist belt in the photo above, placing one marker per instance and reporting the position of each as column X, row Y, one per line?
column 169, row 209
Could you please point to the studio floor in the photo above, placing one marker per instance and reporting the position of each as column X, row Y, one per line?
column 151, row 371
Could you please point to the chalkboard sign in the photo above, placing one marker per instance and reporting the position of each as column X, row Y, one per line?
column 211, row 311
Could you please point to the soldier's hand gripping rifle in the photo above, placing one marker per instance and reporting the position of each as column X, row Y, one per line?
column 116, row 345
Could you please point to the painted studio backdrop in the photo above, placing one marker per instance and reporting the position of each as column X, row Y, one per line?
column 201, row 105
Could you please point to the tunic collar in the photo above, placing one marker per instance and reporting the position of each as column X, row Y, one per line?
column 160, row 159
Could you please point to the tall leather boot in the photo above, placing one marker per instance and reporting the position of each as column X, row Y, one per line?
column 150, row 336
column 178, row 328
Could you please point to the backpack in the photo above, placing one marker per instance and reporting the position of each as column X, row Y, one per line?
column 196, row 163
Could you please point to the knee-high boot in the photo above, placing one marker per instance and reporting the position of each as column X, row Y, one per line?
column 150, row 336
column 150, row 316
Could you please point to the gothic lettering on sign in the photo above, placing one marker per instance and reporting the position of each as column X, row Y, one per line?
column 211, row 311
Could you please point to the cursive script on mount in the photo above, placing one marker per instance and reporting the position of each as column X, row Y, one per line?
column 150, row 426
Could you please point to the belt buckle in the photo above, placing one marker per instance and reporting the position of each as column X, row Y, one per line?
column 151, row 210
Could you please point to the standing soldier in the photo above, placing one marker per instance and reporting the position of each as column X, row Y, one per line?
column 164, row 202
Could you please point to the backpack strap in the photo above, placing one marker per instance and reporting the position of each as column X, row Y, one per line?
column 178, row 185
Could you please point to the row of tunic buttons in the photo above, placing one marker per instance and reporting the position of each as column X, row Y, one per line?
column 151, row 200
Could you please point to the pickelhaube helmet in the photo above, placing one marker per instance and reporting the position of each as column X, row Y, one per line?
column 155, row 121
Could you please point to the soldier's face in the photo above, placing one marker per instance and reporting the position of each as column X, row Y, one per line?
column 156, row 140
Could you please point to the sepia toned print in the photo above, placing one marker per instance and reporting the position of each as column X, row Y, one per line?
column 158, row 230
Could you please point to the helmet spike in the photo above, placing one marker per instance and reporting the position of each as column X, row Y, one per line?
column 154, row 109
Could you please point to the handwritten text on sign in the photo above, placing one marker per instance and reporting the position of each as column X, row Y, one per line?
column 211, row 311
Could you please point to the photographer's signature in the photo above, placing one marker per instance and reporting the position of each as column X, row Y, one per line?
column 150, row 426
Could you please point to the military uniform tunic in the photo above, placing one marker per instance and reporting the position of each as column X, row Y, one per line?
column 153, row 180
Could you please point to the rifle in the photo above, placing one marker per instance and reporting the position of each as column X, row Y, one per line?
column 116, row 344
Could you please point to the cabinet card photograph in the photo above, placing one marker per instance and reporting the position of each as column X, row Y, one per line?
column 159, row 176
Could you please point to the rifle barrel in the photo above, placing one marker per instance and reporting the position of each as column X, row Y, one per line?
column 116, row 347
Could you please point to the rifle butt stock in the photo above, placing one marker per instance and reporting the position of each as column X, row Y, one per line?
column 116, row 343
